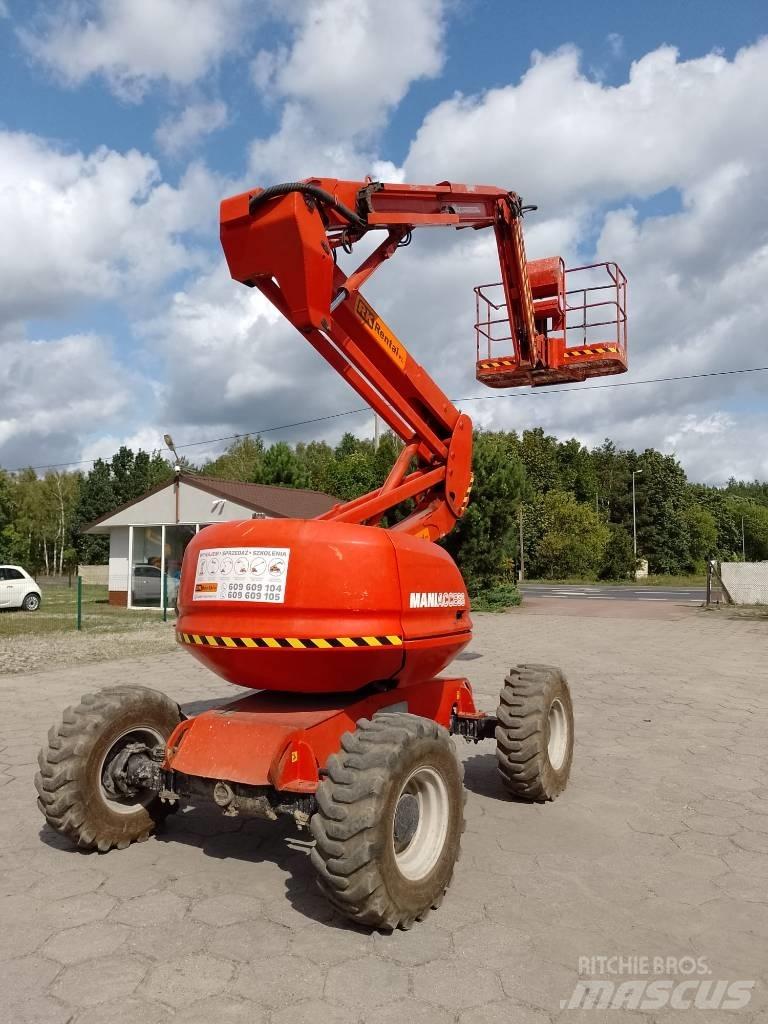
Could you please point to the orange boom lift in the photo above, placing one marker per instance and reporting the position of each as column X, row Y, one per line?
column 342, row 626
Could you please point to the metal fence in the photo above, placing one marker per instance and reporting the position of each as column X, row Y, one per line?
column 69, row 603
column 743, row 583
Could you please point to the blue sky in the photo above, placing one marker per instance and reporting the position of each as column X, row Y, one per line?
column 488, row 44
column 122, row 122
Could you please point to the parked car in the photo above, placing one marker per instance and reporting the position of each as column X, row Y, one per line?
column 148, row 585
column 18, row 589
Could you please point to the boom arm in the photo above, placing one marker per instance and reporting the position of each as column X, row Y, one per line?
column 283, row 240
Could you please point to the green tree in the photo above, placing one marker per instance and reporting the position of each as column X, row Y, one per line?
column 702, row 535
column 484, row 541
column 135, row 474
column 7, row 514
column 317, row 459
column 353, row 468
column 573, row 540
column 619, row 559
column 539, row 455
column 281, row 466
column 662, row 527
column 577, row 471
column 97, row 497
column 243, row 460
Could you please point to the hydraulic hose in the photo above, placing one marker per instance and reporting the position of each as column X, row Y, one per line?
column 319, row 194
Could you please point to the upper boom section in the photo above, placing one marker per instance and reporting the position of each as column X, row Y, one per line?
column 283, row 241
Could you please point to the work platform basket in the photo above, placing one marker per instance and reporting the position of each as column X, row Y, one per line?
column 580, row 315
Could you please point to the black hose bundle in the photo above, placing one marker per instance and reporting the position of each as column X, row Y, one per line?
column 316, row 193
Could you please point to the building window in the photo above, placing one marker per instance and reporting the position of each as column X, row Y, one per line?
column 156, row 555
column 147, row 567
column 176, row 540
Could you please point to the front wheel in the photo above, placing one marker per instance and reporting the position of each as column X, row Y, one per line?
column 534, row 735
column 31, row 603
column 75, row 792
column 390, row 818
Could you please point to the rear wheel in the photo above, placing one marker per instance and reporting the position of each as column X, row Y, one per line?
column 391, row 813
column 534, row 735
column 75, row 789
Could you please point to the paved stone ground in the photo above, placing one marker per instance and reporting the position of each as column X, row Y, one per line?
column 659, row 848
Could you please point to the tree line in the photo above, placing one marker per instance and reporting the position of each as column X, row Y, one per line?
column 571, row 506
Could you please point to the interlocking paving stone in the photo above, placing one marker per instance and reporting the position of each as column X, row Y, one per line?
column 658, row 847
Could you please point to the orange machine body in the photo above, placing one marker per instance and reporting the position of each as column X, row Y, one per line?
column 332, row 622
column 314, row 607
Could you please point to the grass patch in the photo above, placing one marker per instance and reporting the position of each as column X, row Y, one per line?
column 739, row 611
column 58, row 613
column 496, row 599
column 648, row 581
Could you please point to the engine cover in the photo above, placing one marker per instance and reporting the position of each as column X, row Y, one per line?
column 319, row 607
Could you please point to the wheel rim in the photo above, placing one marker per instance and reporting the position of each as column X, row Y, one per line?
column 557, row 747
column 128, row 805
column 33, row 602
column 420, row 824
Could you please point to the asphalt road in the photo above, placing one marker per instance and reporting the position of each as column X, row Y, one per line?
column 680, row 595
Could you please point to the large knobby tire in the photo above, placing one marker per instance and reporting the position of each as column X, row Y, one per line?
column 69, row 783
column 534, row 735
column 390, row 818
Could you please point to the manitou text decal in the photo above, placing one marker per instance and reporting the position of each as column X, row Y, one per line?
column 437, row 599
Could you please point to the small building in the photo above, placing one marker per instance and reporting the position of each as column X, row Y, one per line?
column 148, row 536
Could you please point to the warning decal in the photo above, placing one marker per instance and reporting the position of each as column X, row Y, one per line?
column 242, row 574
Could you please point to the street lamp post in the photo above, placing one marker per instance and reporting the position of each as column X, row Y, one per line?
column 634, row 511
column 743, row 545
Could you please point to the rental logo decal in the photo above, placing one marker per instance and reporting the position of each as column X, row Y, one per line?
column 381, row 332
column 437, row 599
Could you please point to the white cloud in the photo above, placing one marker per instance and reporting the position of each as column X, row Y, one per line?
column 178, row 134
column 230, row 358
column 350, row 63
column 54, row 391
column 91, row 226
column 696, row 295
column 594, row 156
column 667, row 126
column 298, row 149
column 133, row 43
column 615, row 44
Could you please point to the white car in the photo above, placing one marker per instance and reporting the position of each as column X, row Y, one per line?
column 18, row 589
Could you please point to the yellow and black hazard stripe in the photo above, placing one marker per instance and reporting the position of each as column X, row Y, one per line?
column 591, row 350
column 296, row 643
column 494, row 364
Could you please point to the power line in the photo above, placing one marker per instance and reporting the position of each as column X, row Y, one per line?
column 536, row 393
column 616, row 384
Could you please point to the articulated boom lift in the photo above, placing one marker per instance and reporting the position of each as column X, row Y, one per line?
column 340, row 626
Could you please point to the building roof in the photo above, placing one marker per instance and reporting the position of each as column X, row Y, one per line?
column 285, row 502
column 274, row 501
